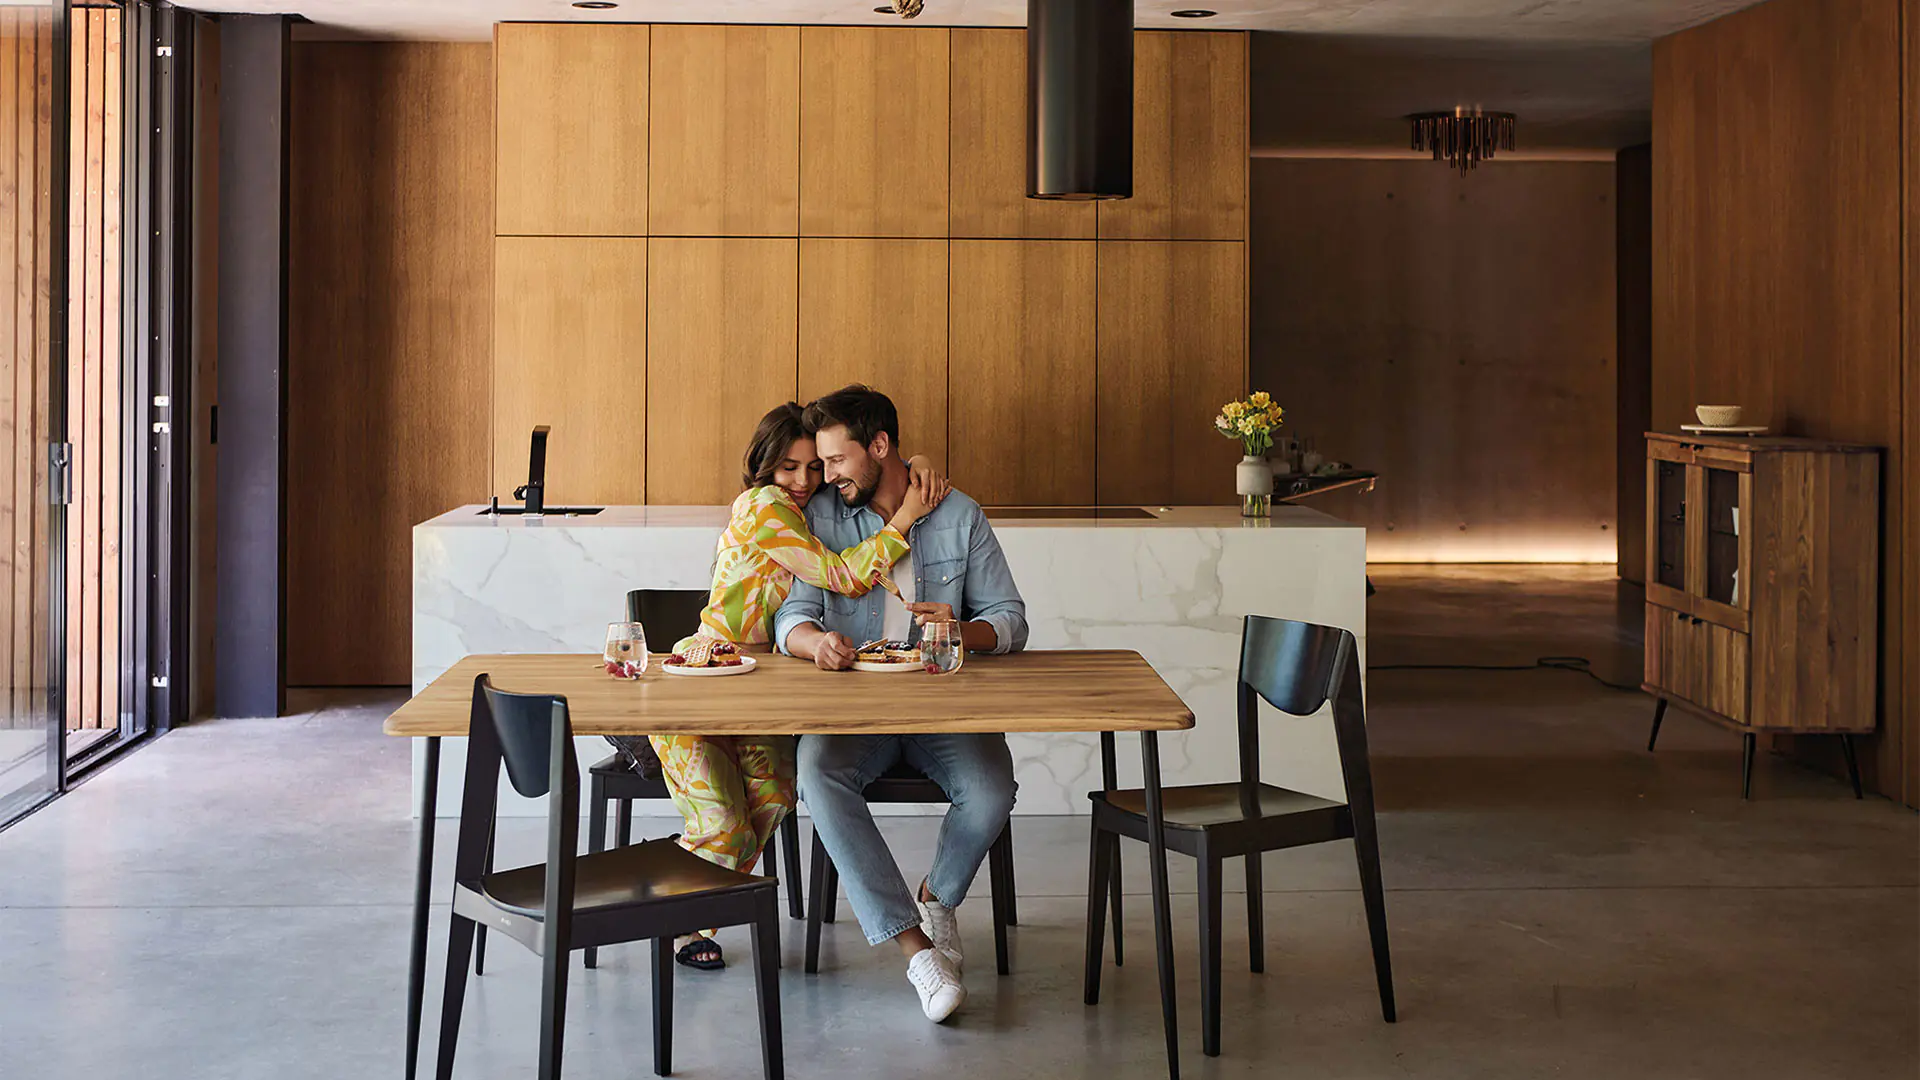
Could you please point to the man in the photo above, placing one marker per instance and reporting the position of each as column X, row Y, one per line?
column 955, row 566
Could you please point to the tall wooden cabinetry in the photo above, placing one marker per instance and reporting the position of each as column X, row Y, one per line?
column 789, row 209
column 1762, row 585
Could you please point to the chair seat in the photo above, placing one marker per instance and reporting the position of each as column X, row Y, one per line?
column 624, row 877
column 1203, row 806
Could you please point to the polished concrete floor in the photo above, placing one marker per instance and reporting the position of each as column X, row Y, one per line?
column 231, row 902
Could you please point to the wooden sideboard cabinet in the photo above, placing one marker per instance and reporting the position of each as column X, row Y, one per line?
column 1763, row 586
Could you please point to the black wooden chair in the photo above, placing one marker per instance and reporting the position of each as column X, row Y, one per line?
column 668, row 615
column 655, row 890
column 1297, row 667
column 905, row 784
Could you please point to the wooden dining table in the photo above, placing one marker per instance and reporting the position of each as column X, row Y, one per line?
column 1105, row 691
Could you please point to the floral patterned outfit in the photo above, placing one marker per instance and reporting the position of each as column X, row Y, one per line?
column 734, row 791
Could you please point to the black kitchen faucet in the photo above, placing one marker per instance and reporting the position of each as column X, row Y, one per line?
column 533, row 493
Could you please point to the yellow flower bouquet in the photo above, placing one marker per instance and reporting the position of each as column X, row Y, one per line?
column 1252, row 421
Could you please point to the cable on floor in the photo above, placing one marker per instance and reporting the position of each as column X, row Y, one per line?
column 1555, row 663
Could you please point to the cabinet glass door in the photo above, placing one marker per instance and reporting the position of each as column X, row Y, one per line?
column 1670, row 531
column 1724, row 521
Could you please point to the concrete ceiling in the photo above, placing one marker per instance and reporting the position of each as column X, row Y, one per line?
column 1615, row 21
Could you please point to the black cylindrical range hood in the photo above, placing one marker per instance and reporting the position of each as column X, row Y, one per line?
column 1079, row 99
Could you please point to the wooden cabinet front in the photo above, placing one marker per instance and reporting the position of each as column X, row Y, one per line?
column 1700, row 663
column 570, row 135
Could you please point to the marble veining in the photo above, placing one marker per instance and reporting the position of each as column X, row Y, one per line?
column 1174, row 588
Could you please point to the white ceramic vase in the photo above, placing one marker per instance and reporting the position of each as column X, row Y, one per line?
column 1253, row 480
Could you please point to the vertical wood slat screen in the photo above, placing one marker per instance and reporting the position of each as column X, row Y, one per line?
column 93, row 373
column 26, row 171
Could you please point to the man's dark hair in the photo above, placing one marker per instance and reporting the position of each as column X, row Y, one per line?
column 864, row 411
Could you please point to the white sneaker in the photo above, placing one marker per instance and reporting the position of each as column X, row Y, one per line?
column 941, row 994
column 942, row 924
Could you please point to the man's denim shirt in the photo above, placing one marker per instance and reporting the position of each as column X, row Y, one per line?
column 956, row 560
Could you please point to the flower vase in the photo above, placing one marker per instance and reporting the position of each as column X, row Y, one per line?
column 1253, row 479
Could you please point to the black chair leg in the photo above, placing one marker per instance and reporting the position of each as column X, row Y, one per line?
column 1209, row 872
column 766, row 988
column 1000, row 870
column 1746, row 765
column 480, row 931
column 1367, row 851
column 790, row 843
column 596, row 839
column 833, row 890
column 1113, row 877
column 770, row 858
column 459, row 944
column 662, row 1006
column 1659, row 712
column 1013, row 892
column 1256, row 917
column 1098, row 868
column 553, row 1012
column 623, row 824
column 815, row 913
column 1853, row 765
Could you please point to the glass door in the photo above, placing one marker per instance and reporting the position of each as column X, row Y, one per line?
column 33, row 452
column 1670, row 525
column 1725, row 546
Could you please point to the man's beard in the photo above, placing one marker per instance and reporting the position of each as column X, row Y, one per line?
column 863, row 488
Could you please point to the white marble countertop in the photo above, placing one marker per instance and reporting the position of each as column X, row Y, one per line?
column 715, row 517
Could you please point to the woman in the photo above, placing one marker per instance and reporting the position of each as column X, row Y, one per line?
column 733, row 791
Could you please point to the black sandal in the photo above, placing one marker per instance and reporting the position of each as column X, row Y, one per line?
column 702, row 953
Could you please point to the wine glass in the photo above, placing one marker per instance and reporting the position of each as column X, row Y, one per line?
column 626, row 652
column 941, row 650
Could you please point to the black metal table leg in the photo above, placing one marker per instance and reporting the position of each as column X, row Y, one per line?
column 422, row 886
column 1659, row 713
column 1162, row 901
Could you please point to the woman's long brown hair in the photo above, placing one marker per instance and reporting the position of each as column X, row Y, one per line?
column 771, row 440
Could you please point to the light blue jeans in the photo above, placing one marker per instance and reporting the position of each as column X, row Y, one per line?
column 976, row 772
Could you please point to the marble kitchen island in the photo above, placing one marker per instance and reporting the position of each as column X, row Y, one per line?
column 1171, row 584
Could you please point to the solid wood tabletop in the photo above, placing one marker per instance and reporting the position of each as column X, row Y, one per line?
column 1103, row 690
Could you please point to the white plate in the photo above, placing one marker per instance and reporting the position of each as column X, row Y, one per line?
column 887, row 669
column 746, row 664
column 1708, row 429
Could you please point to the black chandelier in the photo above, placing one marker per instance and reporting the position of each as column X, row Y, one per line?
column 1463, row 137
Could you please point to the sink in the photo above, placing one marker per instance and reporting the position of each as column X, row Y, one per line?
column 551, row 511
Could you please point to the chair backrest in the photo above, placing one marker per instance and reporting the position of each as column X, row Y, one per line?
column 667, row 614
column 1298, row 667
column 526, row 726
column 1294, row 665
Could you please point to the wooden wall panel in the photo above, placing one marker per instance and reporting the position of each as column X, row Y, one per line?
column 1457, row 337
column 725, row 131
column 571, row 146
column 1189, row 140
column 1021, row 351
column 389, row 352
column 1777, row 277
column 875, row 311
column 873, row 131
column 1172, row 349
column 570, row 342
column 722, row 349
column 989, row 145
column 1633, row 349
column 1903, row 572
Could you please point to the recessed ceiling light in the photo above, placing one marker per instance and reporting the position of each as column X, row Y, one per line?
column 1194, row 13
column 594, row 5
